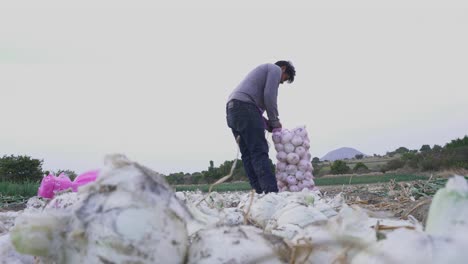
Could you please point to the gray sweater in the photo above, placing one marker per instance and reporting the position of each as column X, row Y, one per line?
column 260, row 87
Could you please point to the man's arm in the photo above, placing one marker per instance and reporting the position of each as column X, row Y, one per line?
column 270, row 95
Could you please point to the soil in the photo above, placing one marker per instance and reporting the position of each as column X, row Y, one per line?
column 13, row 207
column 384, row 199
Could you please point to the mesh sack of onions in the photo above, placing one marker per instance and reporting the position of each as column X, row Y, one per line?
column 294, row 171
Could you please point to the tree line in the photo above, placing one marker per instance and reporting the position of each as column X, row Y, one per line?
column 23, row 168
column 453, row 155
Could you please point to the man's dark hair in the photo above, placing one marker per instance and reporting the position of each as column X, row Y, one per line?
column 290, row 70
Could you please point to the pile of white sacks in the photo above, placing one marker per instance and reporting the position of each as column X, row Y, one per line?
column 294, row 171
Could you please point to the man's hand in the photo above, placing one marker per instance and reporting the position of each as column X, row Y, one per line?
column 276, row 129
column 271, row 129
column 267, row 125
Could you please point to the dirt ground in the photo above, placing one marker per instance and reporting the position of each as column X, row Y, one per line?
column 13, row 207
column 387, row 199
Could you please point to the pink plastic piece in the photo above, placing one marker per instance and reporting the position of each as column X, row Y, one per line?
column 84, row 178
column 46, row 189
column 51, row 184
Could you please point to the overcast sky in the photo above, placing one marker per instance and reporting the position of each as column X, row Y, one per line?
column 151, row 80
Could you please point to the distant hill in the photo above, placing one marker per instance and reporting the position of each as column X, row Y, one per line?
column 341, row 154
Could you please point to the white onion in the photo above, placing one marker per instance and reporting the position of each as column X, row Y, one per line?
column 277, row 137
column 300, row 184
column 282, row 176
column 303, row 133
column 308, row 175
column 300, row 150
column 303, row 165
column 281, row 166
column 286, row 138
column 298, row 130
column 306, row 144
column 279, row 147
column 288, row 148
column 299, row 175
column 281, row 156
column 297, row 140
column 292, row 158
column 280, row 184
column 291, row 169
column 291, row 180
column 293, row 188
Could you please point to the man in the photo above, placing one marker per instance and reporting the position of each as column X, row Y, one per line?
column 244, row 113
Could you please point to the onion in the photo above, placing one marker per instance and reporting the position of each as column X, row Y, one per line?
column 308, row 183
column 286, row 138
column 300, row 184
column 297, row 140
column 279, row 147
column 301, row 151
column 291, row 180
column 281, row 156
column 306, row 144
column 293, row 188
column 302, row 132
column 292, row 158
column 110, row 224
column 282, row 176
column 303, row 165
column 281, row 166
column 299, row 175
column 280, row 184
column 277, row 137
column 308, row 175
column 239, row 244
column 298, row 130
column 288, row 148
column 291, row 169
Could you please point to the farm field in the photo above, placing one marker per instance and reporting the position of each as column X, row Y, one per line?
column 323, row 181
column 373, row 163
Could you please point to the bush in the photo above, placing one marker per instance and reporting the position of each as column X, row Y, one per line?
column 360, row 168
column 411, row 159
column 339, row 167
column 393, row 164
column 20, row 169
column 430, row 164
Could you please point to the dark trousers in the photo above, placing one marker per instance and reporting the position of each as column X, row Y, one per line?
column 246, row 121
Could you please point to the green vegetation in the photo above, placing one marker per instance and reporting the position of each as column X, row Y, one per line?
column 12, row 193
column 367, row 179
column 339, row 167
column 360, row 168
column 223, row 187
column 20, row 169
column 335, row 180
column 27, row 189
column 452, row 155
